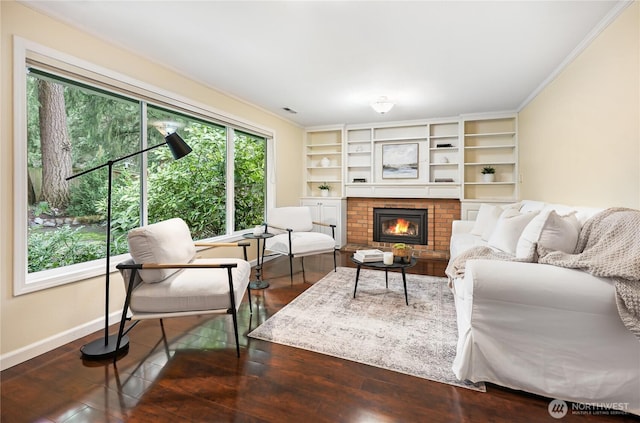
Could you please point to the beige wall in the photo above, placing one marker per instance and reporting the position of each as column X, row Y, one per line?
column 580, row 137
column 31, row 318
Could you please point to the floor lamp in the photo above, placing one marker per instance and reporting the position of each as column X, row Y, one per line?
column 106, row 347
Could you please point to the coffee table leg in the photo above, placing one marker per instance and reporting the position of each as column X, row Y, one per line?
column 357, row 276
column 386, row 278
column 404, row 282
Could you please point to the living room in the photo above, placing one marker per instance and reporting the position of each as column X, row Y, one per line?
column 578, row 143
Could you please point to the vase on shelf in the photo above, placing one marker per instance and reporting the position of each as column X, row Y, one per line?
column 325, row 162
column 324, row 192
column 488, row 177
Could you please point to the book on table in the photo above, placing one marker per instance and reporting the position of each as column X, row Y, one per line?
column 366, row 256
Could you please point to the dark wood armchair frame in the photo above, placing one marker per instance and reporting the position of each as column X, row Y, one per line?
column 133, row 283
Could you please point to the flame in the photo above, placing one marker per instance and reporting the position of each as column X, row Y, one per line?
column 401, row 227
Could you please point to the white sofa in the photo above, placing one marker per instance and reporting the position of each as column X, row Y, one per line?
column 539, row 328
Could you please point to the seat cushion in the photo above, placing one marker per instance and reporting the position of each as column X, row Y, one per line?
column 193, row 289
column 303, row 243
column 168, row 241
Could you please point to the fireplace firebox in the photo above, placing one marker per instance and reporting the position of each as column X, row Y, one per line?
column 400, row 225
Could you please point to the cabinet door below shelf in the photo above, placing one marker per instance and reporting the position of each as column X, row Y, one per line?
column 329, row 211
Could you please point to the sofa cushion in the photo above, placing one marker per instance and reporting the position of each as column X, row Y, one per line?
column 487, row 217
column 168, row 241
column 549, row 228
column 296, row 218
column 508, row 230
column 560, row 233
column 301, row 243
column 193, row 289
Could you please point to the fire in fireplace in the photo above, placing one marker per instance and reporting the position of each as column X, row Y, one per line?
column 400, row 225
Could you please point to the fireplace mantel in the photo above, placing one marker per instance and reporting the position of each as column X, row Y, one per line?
column 403, row 190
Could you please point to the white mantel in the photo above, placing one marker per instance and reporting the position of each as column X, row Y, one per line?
column 402, row 190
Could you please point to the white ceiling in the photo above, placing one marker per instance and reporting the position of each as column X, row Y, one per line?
column 329, row 59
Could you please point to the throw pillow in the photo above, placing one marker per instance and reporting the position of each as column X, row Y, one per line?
column 551, row 230
column 526, row 246
column 168, row 241
column 560, row 233
column 486, row 216
column 508, row 230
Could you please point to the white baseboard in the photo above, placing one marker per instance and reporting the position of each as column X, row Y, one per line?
column 28, row 352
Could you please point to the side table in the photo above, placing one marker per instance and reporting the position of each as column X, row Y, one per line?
column 380, row 265
column 258, row 283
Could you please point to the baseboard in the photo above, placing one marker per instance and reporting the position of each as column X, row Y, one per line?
column 28, row 352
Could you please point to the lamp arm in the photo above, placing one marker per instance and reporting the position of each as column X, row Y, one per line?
column 112, row 162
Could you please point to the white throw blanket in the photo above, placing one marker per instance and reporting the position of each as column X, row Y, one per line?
column 608, row 246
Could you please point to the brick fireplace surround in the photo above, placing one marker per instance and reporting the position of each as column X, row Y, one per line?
column 441, row 213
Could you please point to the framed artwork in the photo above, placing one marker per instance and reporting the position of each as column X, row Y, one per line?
column 400, row 161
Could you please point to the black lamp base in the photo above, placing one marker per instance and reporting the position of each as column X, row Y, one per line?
column 97, row 350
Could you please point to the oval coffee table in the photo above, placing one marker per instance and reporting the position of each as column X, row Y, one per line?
column 381, row 266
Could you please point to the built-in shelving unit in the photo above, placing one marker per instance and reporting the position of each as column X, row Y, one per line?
column 438, row 170
column 444, row 155
column 490, row 141
column 323, row 158
column 451, row 155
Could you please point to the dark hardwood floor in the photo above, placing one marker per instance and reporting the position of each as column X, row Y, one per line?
column 193, row 375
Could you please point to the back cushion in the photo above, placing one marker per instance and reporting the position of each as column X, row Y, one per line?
column 508, row 230
column 296, row 218
column 168, row 241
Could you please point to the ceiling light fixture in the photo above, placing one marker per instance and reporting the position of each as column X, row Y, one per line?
column 382, row 105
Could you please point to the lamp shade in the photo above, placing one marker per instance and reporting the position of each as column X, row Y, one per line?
column 179, row 148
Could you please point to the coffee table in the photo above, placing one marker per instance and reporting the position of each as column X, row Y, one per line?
column 385, row 267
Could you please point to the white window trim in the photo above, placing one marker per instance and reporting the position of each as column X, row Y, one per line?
column 23, row 282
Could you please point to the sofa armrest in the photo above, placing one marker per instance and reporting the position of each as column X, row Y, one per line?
column 534, row 284
column 462, row 226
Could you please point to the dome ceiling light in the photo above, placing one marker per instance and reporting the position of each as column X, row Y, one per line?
column 382, row 105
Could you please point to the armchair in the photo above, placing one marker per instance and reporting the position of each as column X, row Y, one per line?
column 164, row 279
column 294, row 235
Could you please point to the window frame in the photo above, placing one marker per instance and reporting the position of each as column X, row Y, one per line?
column 69, row 66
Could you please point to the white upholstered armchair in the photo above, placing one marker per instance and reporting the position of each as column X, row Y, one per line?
column 165, row 279
column 295, row 237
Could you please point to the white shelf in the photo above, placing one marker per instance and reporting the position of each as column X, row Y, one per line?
column 324, row 146
column 443, row 148
column 489, row 147
column 327, row 153
column 489, row 163
column 324, row 167
column 491, row 134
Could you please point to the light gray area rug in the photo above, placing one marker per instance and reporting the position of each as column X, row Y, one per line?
column 375, row 328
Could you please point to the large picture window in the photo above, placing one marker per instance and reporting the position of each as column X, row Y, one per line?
column 218, row 189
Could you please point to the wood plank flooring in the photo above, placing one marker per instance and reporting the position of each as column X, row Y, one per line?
column 193, row 375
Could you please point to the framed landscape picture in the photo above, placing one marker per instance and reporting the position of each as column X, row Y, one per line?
column 400, row 161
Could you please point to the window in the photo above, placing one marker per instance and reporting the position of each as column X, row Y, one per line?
column 72, row 125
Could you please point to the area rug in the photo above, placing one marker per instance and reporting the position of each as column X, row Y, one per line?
column 376, row 327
